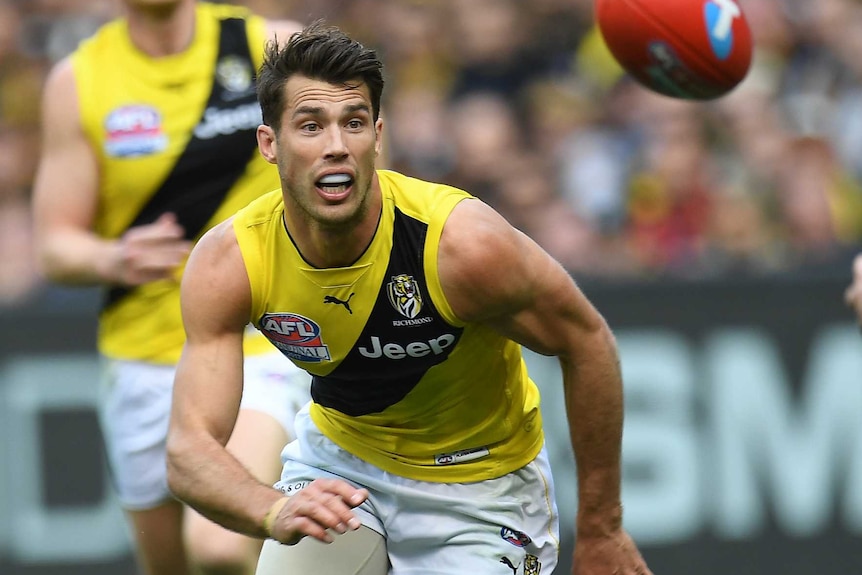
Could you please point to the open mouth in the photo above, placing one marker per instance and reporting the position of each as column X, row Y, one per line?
column 334, row 184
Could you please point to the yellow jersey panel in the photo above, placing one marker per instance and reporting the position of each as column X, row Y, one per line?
column 398, row 380
column 172, row 134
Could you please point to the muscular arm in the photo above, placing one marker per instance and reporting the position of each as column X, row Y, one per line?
column 216, row 305
column 493, row 274
column 208, row 388
column 65, row 203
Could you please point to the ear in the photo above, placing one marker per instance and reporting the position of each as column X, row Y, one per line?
column 378, row 130
column 266, row 143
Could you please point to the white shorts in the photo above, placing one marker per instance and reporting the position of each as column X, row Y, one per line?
column 505, row 525
column 134, row 411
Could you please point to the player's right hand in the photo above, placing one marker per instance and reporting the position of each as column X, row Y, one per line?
column 322, row 505
column 150, row 252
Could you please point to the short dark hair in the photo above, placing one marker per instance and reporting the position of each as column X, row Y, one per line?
column 319, row 52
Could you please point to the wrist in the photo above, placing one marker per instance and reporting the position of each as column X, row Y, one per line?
column 599, row 521
column 109, row 264
column 272, row 514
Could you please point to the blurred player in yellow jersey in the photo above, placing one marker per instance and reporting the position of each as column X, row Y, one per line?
column 149, row 141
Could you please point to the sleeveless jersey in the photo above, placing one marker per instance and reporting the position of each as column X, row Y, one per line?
column 398, row 379
column 171, row 134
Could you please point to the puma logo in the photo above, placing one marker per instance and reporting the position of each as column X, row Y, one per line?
column 508, row 563
column 345, row 303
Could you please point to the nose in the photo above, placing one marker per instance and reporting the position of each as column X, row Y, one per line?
column 336, row 146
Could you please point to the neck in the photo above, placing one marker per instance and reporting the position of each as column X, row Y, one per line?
column 339, row 245
column 162, row 30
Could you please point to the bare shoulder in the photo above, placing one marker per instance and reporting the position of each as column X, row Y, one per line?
column 62, row 74
column 217, row 250
column 485, row 263
column 215, row 287
column 282, row 30
column 475, row 236
column 60, row 94
column 491, row 273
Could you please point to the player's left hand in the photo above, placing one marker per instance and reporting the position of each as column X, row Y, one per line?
column 614, row 554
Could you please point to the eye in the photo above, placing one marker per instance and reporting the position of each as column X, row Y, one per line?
column 355, row 124
column 309, row 127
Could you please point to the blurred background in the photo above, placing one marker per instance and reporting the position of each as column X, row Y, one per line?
column 716, row 237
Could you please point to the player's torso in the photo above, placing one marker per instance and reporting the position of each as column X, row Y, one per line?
column 170, row 134
column 398, row 379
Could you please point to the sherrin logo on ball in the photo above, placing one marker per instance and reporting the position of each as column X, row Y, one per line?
column 690, row 49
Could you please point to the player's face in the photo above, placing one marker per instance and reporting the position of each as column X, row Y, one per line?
column 326, row 150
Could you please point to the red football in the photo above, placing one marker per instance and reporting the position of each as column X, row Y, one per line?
column 690, row 49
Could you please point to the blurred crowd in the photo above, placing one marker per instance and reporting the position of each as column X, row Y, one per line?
column 521, row 104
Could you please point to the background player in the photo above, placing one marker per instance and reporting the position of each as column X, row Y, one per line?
column 148, row 141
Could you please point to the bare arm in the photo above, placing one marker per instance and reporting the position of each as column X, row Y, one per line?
column 216, row 299
column 493, row 274
column 65, row 203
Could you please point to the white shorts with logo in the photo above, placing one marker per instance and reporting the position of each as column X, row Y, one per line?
column 135, row 407
column 504, row 526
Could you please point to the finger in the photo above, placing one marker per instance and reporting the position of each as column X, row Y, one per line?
column 143, row 266
column 148, row 247
column 167, row 218
column 169, row 222
column 312, row 517
column 157, row 260
column 351, row 495
column 157, row 230
column 330, row 510
column 300, row 527
column 347, row 498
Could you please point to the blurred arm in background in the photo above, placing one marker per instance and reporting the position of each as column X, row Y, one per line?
column 853, row 295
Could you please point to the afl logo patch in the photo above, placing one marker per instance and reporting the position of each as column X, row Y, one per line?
column 297, row 337
column 516, row 538
column 134, row 131
column 404, row 295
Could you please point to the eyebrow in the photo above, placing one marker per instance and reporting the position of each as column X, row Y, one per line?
column 318, row 110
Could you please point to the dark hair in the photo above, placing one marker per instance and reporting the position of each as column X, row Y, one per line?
column 318, row 52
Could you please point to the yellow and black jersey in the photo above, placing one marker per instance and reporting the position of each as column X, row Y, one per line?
column 171, row 134
column 398, row 379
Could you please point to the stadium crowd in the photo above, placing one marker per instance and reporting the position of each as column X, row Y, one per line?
column 521, row 104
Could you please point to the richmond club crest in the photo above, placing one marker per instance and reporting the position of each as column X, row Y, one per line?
column 404, row 295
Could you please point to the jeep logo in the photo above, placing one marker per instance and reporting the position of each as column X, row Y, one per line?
column 414, row 349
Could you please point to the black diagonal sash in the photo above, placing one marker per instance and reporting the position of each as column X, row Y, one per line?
column 217, row 154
